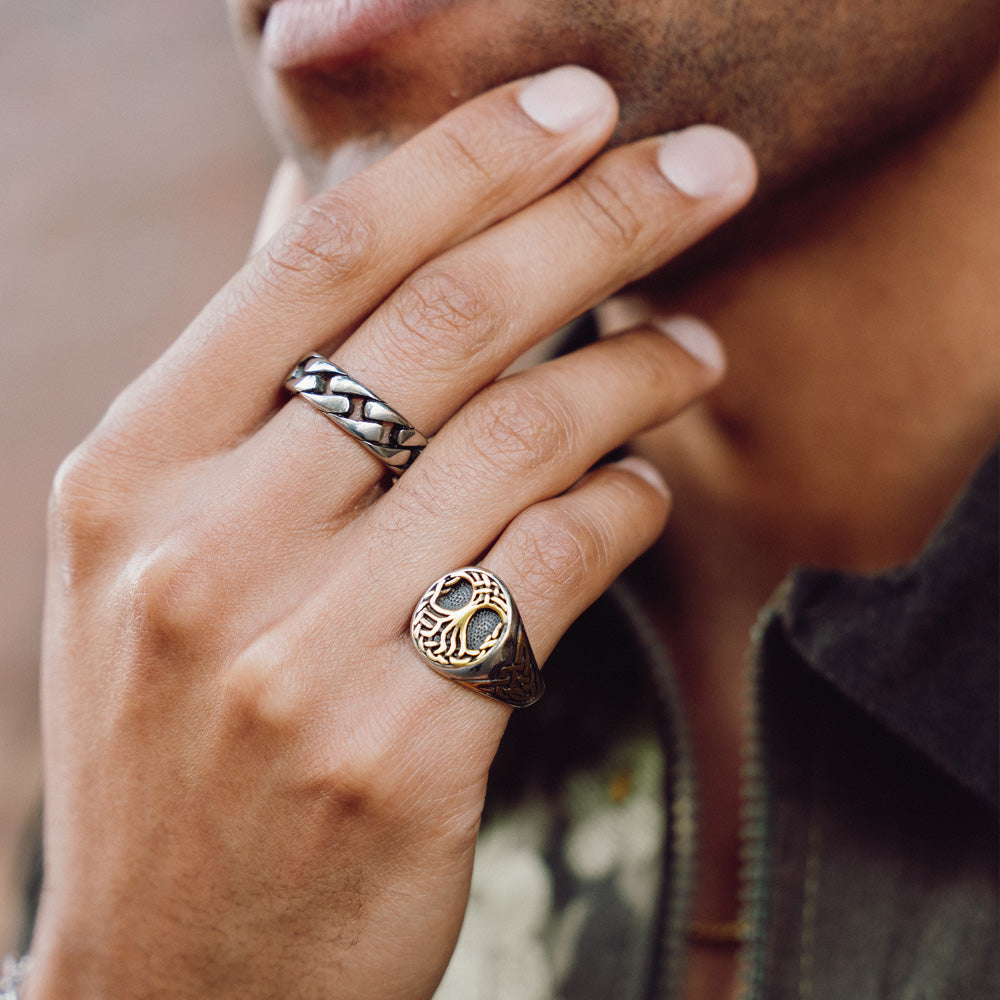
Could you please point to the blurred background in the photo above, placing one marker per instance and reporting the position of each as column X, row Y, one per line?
column 133, row 165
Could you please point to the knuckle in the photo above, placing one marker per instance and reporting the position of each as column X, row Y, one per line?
column 404, row 520
column 606, row 211
column 84, row 509
column 172, row 599
column 75, row 492
column 518, row 428
column 330, row 240
column 444, row 310
column 559, row 554
column 362, row 777
column 461, row 157
column 258, row 693
column 353, row 786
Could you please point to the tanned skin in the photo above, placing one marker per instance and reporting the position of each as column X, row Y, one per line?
column 247, row 791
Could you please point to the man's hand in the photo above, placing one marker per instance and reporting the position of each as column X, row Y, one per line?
column 255, row 787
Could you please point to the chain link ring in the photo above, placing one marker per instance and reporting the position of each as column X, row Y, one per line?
column 387, row 434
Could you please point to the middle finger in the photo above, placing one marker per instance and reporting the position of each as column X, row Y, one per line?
column 460, row 320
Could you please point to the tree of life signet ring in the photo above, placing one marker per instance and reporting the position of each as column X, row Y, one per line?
column 467, row 627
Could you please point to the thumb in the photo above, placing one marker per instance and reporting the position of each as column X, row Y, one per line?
column 287, row 192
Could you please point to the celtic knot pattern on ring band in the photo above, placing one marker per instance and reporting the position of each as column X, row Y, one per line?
column 468, row 629
column 357, row 410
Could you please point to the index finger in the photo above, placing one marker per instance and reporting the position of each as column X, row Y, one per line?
column 347, row 249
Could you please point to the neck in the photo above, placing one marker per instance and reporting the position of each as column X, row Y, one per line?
column 862, row 388
column 861, row 394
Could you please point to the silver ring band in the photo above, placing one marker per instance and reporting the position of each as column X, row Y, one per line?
column 468, row 628
column 353, row 408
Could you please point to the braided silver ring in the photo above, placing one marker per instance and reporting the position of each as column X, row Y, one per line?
column 467, row 627
column 387, row 434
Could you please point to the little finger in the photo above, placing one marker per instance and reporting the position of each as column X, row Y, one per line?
column 558, row 556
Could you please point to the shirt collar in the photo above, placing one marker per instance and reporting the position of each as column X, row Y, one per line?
column 916, row 647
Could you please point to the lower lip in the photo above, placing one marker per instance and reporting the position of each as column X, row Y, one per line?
column 299, row 34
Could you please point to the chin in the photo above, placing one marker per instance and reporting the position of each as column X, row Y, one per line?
column 341, row 82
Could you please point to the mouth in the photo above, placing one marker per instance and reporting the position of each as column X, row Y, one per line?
column 311, row 34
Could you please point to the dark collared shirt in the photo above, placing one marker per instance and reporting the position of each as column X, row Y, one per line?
column 870, row 798
column 870, row 791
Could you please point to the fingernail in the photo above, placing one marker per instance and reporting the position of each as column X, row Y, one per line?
column 564, row 98
column 705, row 160
column 696, row 338
column 644, row 470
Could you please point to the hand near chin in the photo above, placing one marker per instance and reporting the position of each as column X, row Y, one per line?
column 255, row 785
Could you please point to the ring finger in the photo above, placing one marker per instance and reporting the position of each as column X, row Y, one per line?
column 528, row 438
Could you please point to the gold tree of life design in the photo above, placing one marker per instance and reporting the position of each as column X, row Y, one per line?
column 462, row 618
